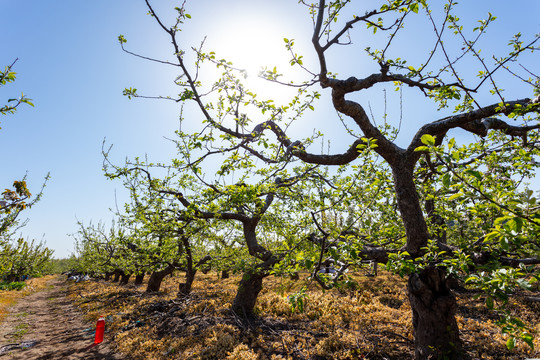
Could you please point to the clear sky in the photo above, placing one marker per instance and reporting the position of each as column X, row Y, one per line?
column 71, row 66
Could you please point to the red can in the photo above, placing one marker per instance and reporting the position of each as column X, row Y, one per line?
column 100, row 330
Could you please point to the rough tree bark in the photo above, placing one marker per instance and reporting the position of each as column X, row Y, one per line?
column 154, row 283
column 246, row 296
column 436, row 333
column 185, row 288
column 139, row 279
column 224, row 274
column 117, row 274
column 433, row 305
column 251, row 284
column 124, row 279
column 435, row 219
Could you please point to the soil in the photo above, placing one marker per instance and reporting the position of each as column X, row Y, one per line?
column 45, row 325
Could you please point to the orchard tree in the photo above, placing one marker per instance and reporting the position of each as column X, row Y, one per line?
column 7, row 76
column 162, row 242
column 191, row 199
column 13, row 200
column 245, row 200
column 22, row 258
column 97, row 249
column 435, row 181
column 18, row 257
column 432, row 301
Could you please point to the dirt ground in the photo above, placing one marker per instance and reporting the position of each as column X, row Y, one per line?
column 45, row 325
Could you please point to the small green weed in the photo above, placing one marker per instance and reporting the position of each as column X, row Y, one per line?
column 20, row 330
column 16, row 285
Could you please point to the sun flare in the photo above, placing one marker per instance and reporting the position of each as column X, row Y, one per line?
column 253, row 44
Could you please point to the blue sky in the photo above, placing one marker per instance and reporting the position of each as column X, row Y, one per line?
column 71, row 66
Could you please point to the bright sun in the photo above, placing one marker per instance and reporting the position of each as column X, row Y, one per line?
column 251, row 44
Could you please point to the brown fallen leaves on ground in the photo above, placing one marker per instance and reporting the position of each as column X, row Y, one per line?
column 369, row 321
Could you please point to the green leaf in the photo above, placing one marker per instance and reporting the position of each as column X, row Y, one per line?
column 528, row 338
column 446, row 180
column 524, row 284
column 476, row 174
column 27, row 101
column 427, row 139
column 519, row 223
column 422, row 148
column 510, row 343
column 511, row 225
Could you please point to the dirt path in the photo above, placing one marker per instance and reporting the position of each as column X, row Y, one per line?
column 45, row 325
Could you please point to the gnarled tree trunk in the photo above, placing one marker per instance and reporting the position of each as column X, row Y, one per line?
column 436, row 333
column 185, row 288
column 154, row 283
column 246, row 296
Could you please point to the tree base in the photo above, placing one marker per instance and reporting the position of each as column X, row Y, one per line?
column 433, row 305
column 139, row 279
column 246, row 296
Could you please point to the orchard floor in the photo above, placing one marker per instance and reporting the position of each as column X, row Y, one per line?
column 370, row 320
column 44, row 324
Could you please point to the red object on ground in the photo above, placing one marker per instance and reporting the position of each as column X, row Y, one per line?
column 100, row 330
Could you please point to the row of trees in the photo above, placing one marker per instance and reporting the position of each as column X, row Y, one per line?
column 244, row 195
column 18, row 257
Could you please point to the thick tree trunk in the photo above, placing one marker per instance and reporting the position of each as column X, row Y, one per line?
column 139, row 279
column 154, row 283
column 436, row 333
column 117, row 274
column 433, row 305
column 124, row 279
column 410, row 209
column 185, row 288
column 246, row 296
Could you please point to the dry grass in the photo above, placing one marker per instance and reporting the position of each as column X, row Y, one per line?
column 372, row 321
column 10, row 297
